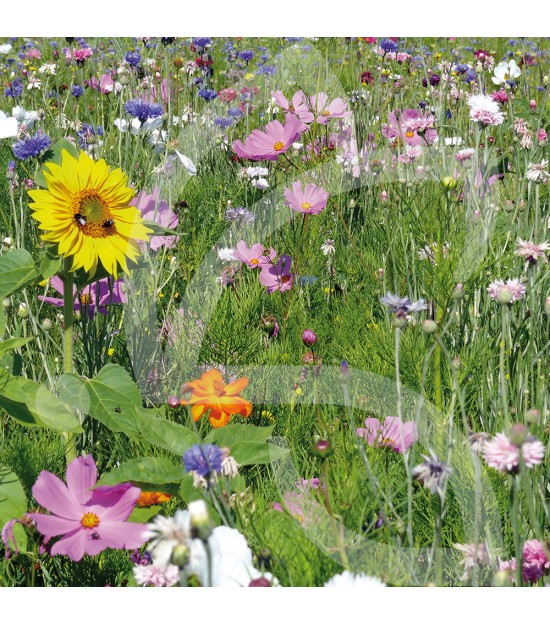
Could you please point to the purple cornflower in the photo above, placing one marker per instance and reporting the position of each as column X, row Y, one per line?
column 402, row 305
column 143, row 110
column 15, row 89
column 201, row 42
column 239, row 215
column 132, row 58
column 223, row 122
column 267, row 70
column 388, row 45
column 77, row 91
column 31, row 146
column 208, row 94
column 203, row 459
column 246, row 55
column 87, row 135
column 235, row 112
column 434, row 79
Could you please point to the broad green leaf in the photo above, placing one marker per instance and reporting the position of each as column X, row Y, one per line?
column 228, row 435
column 16, row 270
column 48, row 264
column 247, row 453
column 143, row 515
column 13, row 504
column 111, row 397
column 13, row 344
column 32, row 404
column 2, row 322
column 148, row 473
column 187, row 491
column 166, row 434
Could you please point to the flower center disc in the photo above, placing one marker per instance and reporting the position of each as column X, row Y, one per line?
column 278, row 146
column 409, row 134
column 325, row 113
column 254, row 261
column 305, row 205
column 219, row 388
column 92, row 215
column 90, row 520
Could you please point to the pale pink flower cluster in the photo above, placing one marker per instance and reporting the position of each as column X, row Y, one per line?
column 538, row 172
column 485, row 110
column 535, row 562
column 503, row 455
column 158, row 576
column 532, row 251
column 464, row 155
column 471, row 557
column 506, row 292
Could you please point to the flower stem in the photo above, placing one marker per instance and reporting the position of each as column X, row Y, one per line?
column 515, row 528
column 502, row 366
column 68, row 320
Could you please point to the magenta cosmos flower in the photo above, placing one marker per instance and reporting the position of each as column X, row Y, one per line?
column 275, row 140
column 410, row 127
column 96, row 297
column 254, row 256
column 158, row 211
column 310, row 199
column 277, row 277
column 89, row 520
column 297, row 105
column 393, row 433
column 326, row 110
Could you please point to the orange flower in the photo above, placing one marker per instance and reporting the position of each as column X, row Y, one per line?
column 147, row 499
column 211, row 393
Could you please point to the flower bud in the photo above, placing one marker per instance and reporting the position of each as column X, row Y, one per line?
column 180, row 556
column 505, row 295
column 429, row 326
column 22, row 311
column 547, row 306
column 532, row 416
column 173, row 402
column 456, row 363
column 200, row 519
column 533, row 104
column 268, row 323
column 6, row 303
column 309, row 338
column 344, row 371
column 449, row 182
column 322, row 448
column 399, row 321
column 46, row 325
column 518, row 434
column 458, row 291
column 260, row 582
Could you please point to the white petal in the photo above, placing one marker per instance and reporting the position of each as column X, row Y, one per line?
column 187, row 163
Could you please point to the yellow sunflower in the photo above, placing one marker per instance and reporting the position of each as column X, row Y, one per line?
column 86, row 211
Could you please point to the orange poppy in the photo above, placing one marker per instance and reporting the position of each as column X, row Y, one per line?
column 211, row 393
column 147, row 499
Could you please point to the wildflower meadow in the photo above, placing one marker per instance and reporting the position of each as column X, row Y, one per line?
column 275, row 312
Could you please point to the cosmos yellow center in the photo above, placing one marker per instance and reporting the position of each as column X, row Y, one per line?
column 254, row 261
column 90, row 520
column 305, row 205
column 325, row 113
column 409, row 134
column 278, row 146
column 92, row 215
column 85, row 300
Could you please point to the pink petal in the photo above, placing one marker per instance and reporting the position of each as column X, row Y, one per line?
column 51, row 525
column 50, row 492
column 72, row 545
column 121, row 535
column 114, row 503
column 81, row 478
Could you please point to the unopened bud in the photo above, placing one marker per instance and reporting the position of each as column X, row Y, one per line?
column 429, row 326
column 180, row 556
column 200, row 519
column 532, row 416
column 22, row 311
column 46, row 325
column 309, row 337
column 518, row 434
column 547, row 306
column 458, row 291
column 6, row 303
column 173, row 401
column 505, row 295
column 322, row 448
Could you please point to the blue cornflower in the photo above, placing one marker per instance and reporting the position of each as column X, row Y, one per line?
column 470, row 75
column 235, row 112
column 402, row 305
column 132, row 58
column 448, row 114
column 388, row 45
column 208, row 94
column 201, row 42
column 223, row 122
column 143, row 110
column 87, row 134
column 267, row 70
column 31, row 146
column 203, row 459
column 15, row 89
column 246, row 55
column 461, row 68
column 77, row 91
column 423, row 105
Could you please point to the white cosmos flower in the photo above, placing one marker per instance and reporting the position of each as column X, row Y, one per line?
column 167, row 533
column 25, row 118
column 506, row 71
column 5, row 48
column 136, row 127
column 8, row 126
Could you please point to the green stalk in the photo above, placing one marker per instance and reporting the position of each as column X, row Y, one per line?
column 502, row 366
column 515, row 528
column 68, row 321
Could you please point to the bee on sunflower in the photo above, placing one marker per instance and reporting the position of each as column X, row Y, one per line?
column 86, row 210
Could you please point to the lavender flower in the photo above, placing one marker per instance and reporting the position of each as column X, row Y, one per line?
column 31, row 146
column 239, row 215
column 432, row 473
column 402, row 305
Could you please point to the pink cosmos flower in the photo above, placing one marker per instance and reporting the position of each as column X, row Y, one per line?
column 297, row 106
column 311, row 199
column 254, row 256
column 394, row 434
column 277, row 139
column 158, row 211
column 410, row 127
column 277, row 276
column 89, row 520
column 105, row 84
column 96, row 297
column 326, row 111
column 300, row 503
column 503, row 455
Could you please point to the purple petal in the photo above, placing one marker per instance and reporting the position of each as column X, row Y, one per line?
column 50, row 492
column 121, row 535
column 50, row 525
column 81, row 478
column 72, row 545
column 114, row 503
